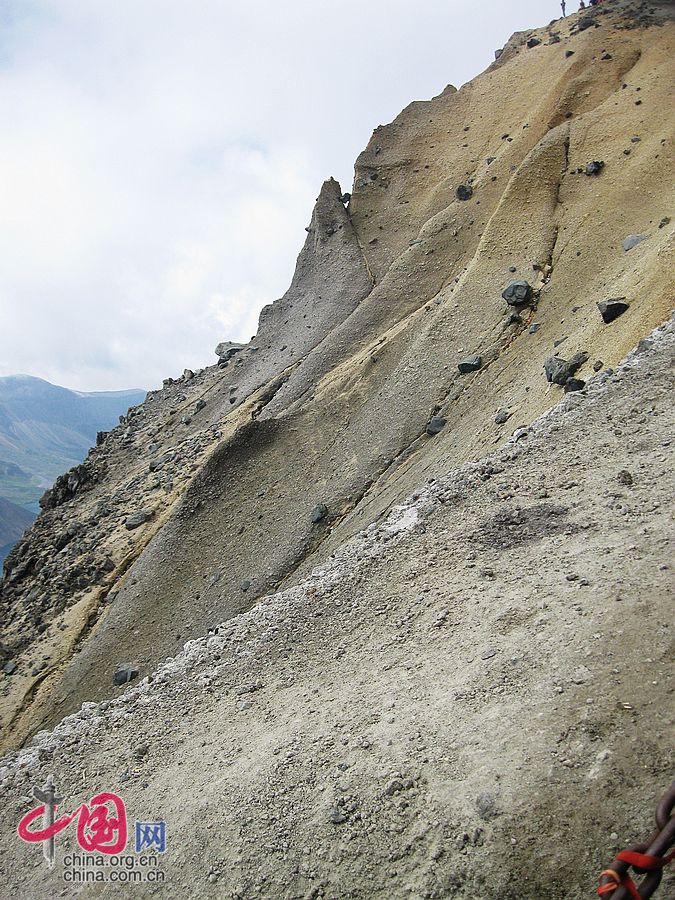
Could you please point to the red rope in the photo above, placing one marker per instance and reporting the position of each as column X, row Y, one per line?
column 643, row 861
column 617, row 881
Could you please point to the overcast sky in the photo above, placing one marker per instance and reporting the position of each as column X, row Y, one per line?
column 159, row 159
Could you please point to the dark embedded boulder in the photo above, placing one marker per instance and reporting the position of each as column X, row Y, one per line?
column 574, row 384
column 501, row 416
column 587, row 22
column 160, row 461
column 517, row 293
column 319, row 513
column 612, row 309
column 65, row 537
column 436, row 424
column 595, row 167
column 558, row 370
column 135, row 520
column 464, row 192
column 470, row 364
column 125, row 673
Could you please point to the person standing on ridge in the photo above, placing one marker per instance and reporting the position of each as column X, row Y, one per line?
column 562, row 6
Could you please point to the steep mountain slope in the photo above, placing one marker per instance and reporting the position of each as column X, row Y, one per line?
column 471, row 699
column 239, row 479
column 13, row 522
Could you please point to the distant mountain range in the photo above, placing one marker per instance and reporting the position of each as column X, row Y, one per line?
column 13, row 522
column 44, row 431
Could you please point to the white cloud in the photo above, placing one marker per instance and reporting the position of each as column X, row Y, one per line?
column 160, row 158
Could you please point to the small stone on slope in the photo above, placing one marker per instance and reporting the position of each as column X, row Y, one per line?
column 470, row 364
column 436, row 424
column 574, row 384
column 517, row 293
column 138, row 518
column 612, row 309
column 633, row 240
column 125, row 673
column 558, row 370
column 319, row 513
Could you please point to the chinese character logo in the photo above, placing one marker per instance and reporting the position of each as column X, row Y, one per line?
column 150, row 835
column 101, row 823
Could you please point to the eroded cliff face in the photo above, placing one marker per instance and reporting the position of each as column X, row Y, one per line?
column 328, row 405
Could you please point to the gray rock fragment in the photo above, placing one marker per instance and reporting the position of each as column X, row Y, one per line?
column 470, row 364
column 633, row 240
column 226, row 350
column 125, row 673
column 395, row 786
column 612, row 309
column 595, row 167
column 587, row 22
column 574, row 384
column 517, row 293
column 436, row 424
column 559, row 370
column 138, row 518
column 319, row 513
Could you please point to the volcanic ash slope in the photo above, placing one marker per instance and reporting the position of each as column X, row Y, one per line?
column 474, row 688
column 471, row 698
